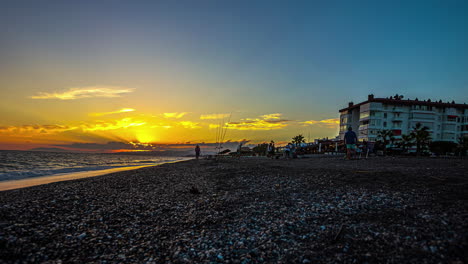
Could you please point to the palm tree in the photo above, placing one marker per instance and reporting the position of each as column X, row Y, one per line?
column 406, row 142
column 421, row 135
column 386, row 136
column 298, row 139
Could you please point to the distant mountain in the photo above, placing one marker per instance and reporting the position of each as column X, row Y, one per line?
column 50, row 149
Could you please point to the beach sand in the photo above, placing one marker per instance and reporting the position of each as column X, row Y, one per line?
column 317, row 210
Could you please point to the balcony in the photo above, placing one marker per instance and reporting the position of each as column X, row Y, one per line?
column 449, row 122
column 422, row 111
column 397, row 110
column 422, row 120
column 449, row 131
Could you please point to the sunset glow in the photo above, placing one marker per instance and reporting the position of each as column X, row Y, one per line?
column 103, row 75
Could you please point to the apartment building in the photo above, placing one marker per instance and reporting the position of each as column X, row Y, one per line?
column 446, row 121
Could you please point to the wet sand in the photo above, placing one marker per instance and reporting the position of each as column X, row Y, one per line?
column 318, row 210
column 23, row 183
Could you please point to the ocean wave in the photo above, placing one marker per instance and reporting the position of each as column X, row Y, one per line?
column 22, row 165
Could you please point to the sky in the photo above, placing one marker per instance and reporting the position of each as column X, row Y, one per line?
column 115, row 75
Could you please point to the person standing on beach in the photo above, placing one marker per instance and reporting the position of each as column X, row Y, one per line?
column 287, row 150
column 272, row 149
column 239, row 150
column 197, row 151
column 350, row 139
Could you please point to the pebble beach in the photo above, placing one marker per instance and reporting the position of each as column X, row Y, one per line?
column 248, row 210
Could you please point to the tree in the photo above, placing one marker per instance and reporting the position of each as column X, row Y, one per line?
column 298, row 139
column 386, row 137
column 421, row 135
column 462, row 145
column 406, row 142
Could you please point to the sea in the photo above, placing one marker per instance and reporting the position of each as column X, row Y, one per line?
column 17, row 165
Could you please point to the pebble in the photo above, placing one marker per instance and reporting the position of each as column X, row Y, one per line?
column 243, row 211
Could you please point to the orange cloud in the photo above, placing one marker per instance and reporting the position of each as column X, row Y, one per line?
column 326, row 122
column 271, row 116
column 188, row 124
column 161, row 126
column 214, row 116
column 85, row 92
column 174, row 115
column 123, row 110
column 111, row 125
column 265, row 122
column 35, row 129
column 257, row 124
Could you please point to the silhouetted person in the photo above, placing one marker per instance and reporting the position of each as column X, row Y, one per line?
column 239, row 150
column 287, row 150
column 350, row 139
column 197, row 151
column 271, row 149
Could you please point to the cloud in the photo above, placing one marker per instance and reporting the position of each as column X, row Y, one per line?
column 111, row 125
column 123, row 110
column 212, row 126
column 257, row 124
column 332, row 122
column 36, row 129
column 174, row 115
column 161, row 125
column 132, row 146
column 113, row 146
column 188, row 124
column 265, row 122
column 85, row 92
column 98, row 146
column 214, row 116
column 271, row 116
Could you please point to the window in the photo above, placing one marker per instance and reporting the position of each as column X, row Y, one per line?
column 385, row 115
column 385, row 124
column 364, row 115
column 375, row 122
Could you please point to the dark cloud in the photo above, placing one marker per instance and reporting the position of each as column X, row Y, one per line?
column 113, row 145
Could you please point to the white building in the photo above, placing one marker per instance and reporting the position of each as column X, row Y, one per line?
column 446, row 121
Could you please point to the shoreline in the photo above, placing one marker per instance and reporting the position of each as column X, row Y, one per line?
column 60, row 177
column 323, row 210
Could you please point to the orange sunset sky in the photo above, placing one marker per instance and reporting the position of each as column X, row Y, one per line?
column 139, row 75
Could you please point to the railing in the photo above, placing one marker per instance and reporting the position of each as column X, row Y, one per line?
column 397, row 109
column 423, row 111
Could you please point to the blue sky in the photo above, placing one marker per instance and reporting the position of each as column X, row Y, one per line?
column 303, row 59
